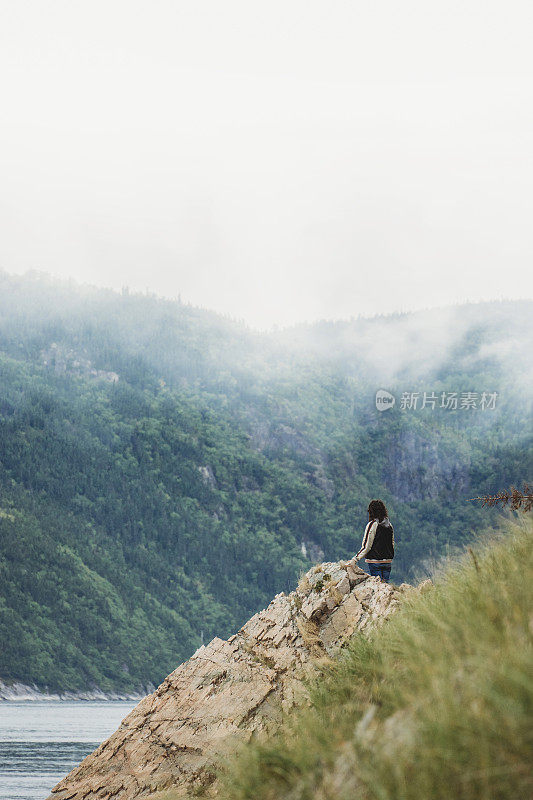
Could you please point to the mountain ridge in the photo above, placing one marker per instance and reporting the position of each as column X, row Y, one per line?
column 142, row 516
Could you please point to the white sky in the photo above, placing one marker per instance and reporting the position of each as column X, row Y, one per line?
column 276, row 161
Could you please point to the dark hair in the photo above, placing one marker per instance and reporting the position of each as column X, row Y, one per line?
column 377, row 510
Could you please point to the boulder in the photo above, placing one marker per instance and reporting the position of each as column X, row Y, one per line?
column 231, row 690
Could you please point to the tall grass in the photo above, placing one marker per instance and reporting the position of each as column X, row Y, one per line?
column 437, row 703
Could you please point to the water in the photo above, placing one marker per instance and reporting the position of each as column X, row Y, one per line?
column 40, row 741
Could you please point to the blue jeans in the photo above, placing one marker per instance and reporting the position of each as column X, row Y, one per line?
column 380, row 571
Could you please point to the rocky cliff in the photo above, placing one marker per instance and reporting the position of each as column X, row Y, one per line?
column 230, row 690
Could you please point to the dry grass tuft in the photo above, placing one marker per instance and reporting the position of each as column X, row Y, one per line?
column 449, row 683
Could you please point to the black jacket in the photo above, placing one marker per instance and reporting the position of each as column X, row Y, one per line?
column 378, row 541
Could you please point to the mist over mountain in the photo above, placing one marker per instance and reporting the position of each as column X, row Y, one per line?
column 165, row 470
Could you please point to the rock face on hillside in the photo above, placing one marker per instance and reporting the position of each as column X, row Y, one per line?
column 230, row 690
column 416, row 466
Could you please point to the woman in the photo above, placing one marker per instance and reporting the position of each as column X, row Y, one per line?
column 378, row 541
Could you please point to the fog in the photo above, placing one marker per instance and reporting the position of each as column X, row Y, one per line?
column 276, row 162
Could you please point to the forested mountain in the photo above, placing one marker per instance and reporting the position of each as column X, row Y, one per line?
column 164, row 471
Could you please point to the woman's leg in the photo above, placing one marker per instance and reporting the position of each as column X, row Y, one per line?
column 385, row 572
column 381, row 571
column 374, row 570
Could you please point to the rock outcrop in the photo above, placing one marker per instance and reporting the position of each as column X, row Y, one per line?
column 418, row 466
column 230, row 690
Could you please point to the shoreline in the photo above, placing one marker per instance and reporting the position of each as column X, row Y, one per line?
column 21, row 692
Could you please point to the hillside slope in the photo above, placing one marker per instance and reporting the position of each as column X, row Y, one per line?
column 165, row 471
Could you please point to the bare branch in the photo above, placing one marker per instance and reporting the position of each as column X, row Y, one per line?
column 518, row 500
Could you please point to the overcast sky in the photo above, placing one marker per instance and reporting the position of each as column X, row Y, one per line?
column 276, row 161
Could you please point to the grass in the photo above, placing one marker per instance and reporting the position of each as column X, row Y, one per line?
column 437, row 704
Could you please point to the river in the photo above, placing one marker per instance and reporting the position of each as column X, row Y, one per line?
column 40, row 741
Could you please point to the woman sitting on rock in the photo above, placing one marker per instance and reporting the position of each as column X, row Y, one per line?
column 378, row 541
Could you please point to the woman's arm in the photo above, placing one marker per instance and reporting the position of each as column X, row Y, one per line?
column 368, row 539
